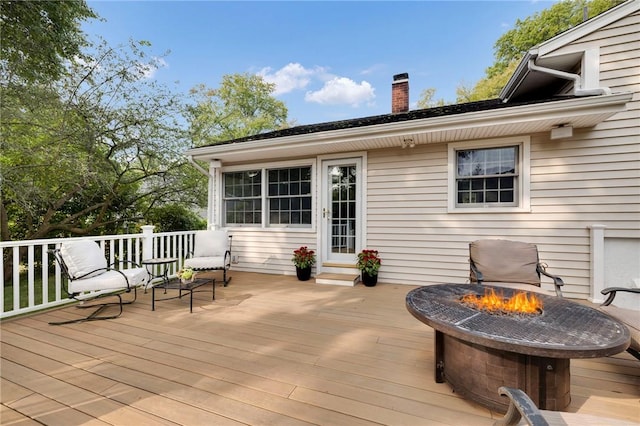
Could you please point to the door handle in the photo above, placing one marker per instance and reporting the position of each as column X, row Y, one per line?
column 326, row 213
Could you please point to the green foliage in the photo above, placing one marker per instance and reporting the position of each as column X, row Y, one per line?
column 426, row 99
column 174, row 217
column 95, row 149
column 512, row 45
column 38, row 36
column 241, row 106
column 487, row 87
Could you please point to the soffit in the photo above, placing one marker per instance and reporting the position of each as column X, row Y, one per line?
column 526, row 119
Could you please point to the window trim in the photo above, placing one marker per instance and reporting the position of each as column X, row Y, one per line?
column 523, row 186
column 263, row 167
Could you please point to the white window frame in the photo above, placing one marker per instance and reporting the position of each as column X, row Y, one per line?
column 263, row 167
column 523, row 183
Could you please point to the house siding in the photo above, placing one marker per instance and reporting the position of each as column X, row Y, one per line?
column 268, row 251
column 591, row 178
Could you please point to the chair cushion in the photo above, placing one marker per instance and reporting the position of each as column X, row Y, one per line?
column 82, row 257
column 630, row 318
column 506, row 261
column 210, row 243
column 111, row 280
column 211, row 262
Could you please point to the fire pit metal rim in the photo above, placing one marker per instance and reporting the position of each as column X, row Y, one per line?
column 567, row 344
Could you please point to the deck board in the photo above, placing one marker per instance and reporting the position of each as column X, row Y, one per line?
column 270, row 350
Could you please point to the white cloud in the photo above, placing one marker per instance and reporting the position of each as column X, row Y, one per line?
column 342, row 90
column 290, row 77
column 149, row 70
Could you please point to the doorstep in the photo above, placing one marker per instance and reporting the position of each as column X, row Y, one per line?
column 338, row 279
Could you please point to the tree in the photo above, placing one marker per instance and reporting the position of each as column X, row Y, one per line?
column 37, row 37
column 512, row 45
column 91, row 151
column 426, row 99
column 241, row 106
column 174, row 217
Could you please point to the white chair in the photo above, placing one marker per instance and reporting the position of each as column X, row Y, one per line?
column 90, row 278
column 211, row 252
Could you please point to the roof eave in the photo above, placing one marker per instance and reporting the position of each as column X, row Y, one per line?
column 524, row 119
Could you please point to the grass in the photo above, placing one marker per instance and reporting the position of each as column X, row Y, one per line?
column 24, row 293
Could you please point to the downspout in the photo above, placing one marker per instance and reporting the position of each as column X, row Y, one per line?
column 577, row 80
column 198, row 167
column 211, row 178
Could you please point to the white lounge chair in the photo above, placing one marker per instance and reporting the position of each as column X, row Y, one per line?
column 211, row 252
column 91, row 278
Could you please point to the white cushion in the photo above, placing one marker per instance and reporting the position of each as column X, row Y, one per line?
column 111, row 280
column 210, row 243
column 83, row 257
column 211, row 262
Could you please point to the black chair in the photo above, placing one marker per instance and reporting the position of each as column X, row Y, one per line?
column 511, row 264
column 521, row 407
column 629, row 317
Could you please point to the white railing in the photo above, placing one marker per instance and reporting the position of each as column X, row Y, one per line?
column 34, row 281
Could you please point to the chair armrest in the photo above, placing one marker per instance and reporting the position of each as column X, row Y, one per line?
column 137, row 265
column 228, row 253
column 557, row 281
column 612, row 291
column 520, row 406
column 475, row 272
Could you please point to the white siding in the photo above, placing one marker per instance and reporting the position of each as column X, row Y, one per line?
column 268, row 251
column 593, row 177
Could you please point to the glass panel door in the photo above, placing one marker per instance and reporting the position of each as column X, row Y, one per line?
column 340, row 210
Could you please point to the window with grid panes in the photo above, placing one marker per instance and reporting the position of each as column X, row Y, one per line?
column 289, row 196
column 487, row 176
column 243, row 197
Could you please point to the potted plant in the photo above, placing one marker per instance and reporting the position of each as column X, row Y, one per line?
column 186, row 275
column 369, row 263
column 303, row 259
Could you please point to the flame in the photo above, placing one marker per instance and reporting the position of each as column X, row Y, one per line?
column 521, row 302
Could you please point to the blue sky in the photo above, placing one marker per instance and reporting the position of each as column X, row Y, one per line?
column 330, row 60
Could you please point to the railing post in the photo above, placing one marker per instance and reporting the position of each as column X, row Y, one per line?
column 597, row 263
column 147, row 241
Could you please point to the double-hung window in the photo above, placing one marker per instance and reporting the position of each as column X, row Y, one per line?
column 491, row 175
column 273, row 197
column 289, row 196
column 242, row 197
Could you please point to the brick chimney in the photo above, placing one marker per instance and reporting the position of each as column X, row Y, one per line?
column 400, row 93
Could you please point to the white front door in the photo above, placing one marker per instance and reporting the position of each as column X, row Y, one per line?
column 341, row 212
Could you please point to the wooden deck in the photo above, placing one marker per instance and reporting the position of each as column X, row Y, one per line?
column 270, row 350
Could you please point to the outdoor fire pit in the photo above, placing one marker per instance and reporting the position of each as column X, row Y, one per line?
column 477, row 351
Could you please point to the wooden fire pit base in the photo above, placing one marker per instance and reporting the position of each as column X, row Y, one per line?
column 475, row 372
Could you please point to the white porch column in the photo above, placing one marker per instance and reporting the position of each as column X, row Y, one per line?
column 597, row 263
column 147, row 241
column 213, row 214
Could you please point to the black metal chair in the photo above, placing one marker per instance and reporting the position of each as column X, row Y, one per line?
column 629, row 317
column 90, row 278
column 512, row 264
column 523, row 411
column 211, row 252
